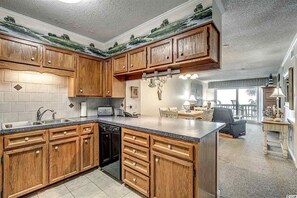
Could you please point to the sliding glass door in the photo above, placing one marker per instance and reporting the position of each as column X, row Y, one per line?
column 242, row 101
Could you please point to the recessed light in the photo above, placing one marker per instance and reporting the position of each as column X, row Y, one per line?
column 70, row 1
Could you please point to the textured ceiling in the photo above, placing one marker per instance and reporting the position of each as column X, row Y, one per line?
column 259, row 33
column 97, row 19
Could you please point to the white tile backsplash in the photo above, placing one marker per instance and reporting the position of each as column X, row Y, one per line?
column 39, row 90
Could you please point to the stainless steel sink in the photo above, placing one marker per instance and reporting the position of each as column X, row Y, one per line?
column 23, row 124
column 55, row 121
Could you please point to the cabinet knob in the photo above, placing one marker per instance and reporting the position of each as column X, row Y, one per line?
column 131, row 65
column 26, row 139
column 124, row 66
column 167, row 57
column 134, row 138
column 37, row 152
column 86, row 141
column 49, row 62
column 80, row 90
column 32, row 59
column 157, row 159
column 106, row 136
column 108, row 91
column 181, row 54
column 134, row 151
column 134, row 179
column 134, row 163
column 169, row 146
column 65, row 132
column 56, row 147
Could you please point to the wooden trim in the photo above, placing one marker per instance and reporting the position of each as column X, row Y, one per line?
column 136, row 137
column 136, row 164
column 86, row 129
column 131, row 53
column 140, row 152
column 91, row 142
column 96, row 145
column 63, row 132
column 169, row 61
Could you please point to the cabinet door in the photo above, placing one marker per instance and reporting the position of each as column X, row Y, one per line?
column 105, row 148
column 137, row 59
column 64, row 159
column 25, row 170
column 89, row 77
column 120, row 64
column 58, row 59
column 107, row 70
column 160, row 53
column 191, row 45
column 169, row 173
column 19, row 51
column 87, row 152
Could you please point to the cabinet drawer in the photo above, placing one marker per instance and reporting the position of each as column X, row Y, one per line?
column 136, row 164
column 136, row 151
column 87, row 129
column 64, row 132
column 24, row 139
column 136, row 180
column 136, row 137
column 172, row 147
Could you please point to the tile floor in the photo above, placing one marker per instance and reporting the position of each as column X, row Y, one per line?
column 94, row 184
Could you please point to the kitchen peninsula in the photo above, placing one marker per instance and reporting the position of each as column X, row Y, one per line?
column 157, row 154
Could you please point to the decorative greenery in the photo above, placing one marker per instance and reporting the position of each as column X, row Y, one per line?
column 9, row 26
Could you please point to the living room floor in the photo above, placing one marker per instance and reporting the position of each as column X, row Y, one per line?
column 244, row 171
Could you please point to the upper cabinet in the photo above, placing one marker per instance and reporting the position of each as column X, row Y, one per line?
column 191, row 45
column 89, row 77
column 120, row 63
column 19, row 51
column 137, row 59
column 58, row 59
column 160, row 53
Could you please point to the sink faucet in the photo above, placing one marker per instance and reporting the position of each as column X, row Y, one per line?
column 39, row 114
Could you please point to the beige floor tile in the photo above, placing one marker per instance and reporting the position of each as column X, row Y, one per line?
column 32, row 195
column 77, row 183
column 100, row 195
column 86, row 191
column 104, row 182
column 54, row 192
column 95, row 175
column 133, row 195
column 116, row 190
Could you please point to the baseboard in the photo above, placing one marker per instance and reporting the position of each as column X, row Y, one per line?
column 293, row 157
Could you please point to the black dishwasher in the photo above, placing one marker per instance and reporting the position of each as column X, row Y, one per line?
column 110, row 149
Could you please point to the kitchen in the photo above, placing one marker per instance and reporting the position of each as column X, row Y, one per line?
column 63, row 107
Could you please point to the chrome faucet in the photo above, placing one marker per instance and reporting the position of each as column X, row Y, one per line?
column 39, row 114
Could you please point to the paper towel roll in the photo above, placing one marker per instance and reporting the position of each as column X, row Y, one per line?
column 83, row 109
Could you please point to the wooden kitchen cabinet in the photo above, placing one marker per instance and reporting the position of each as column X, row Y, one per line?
column 89, row 78
column 160, row 53
column 63, row 159
column 87, row 152
column 191, row 45
column 164, row 179
column 119, row 63
column 19, row 51
column 137, row 59
column 56, row 58
column 25, row 170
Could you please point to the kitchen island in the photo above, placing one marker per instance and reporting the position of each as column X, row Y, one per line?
column 158, row 154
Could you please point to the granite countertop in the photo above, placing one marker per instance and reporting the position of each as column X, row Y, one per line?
column 190, row 130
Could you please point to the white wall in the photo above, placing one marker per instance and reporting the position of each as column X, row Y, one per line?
column 133, row 104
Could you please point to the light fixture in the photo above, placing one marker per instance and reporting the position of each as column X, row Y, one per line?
column 194, row 76
column 192, row 99
column 70, row 1
column 187, row 106
column 277, row 93
column 188, row 76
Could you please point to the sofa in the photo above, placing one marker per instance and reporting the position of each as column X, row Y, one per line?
column 233, row 127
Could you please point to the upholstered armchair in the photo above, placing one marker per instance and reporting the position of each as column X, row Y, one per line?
column 234, row 128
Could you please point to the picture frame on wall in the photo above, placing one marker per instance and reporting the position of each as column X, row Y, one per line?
column 134, row 92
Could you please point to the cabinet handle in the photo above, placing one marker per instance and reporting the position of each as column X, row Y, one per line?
column 134, row 179
column 134, row 138
column 56, row 147
column 124, row 66
column 167, row 57
column 181, row 54
column 108, row 91
column 134, row 151
column 106, row 136
column 86, row 141
column 80, row 90
column 37, row 152
column 49, row 62
column 134, row 163
column 32, row 59
column 131, row 65
column 65, row 132
column 157, row 159
column 26, row 139
column 169, row 146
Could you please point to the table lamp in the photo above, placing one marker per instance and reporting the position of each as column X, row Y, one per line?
column 277, row 93
column 187, row 106
column 192, row 101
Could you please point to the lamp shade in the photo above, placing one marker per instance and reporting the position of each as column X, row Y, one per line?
column 192, row 98
column 277, row 92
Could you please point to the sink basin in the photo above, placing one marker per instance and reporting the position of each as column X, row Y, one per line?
column 62, row 120
column 13, row 125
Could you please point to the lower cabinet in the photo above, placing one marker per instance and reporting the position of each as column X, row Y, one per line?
column 87, row 152
column 64, row 159
column 25, row 170
column 168, row 173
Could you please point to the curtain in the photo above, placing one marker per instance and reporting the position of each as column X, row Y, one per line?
column 255, row 82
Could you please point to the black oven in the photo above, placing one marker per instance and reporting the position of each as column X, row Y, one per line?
column 110, row 149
